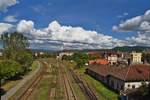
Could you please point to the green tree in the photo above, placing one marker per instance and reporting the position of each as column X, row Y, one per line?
column 9, row 69
column 13, row 42
column 65, row 57
column 80, row 58
column 15, row 48
column 146, row 56
column 145, row 91
column 25, row 59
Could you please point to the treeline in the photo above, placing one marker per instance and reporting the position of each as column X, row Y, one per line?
column 146, row 57
column 132, row 48
column 16, row 60
column 80, row 58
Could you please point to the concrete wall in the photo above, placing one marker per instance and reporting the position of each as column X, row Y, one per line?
column 96, row 76
column 115, row 83
column 118, row 84
column 130, row 85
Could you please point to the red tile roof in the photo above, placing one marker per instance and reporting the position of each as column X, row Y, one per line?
column 102, row 61
column 130, row 73
column 99, row 62
column 134, row 72
column 101, row 69
column 92, row 62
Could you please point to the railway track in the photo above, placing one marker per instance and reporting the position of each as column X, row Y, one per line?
column 28, row 92
column 57, row 80
column 61, row 80
column 67, row 84
column 84, row 86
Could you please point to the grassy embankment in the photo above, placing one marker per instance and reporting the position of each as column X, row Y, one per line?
column 11, row 83
column 102, row 91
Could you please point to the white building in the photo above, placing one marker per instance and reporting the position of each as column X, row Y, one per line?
column 136, row 58
column 112, row 59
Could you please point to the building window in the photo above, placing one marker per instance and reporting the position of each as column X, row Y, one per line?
column 133, row 86
column 121, row 87
column 112, row 84
column 128, row 85
column 117, row 85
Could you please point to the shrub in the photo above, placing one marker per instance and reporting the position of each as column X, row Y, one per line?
column 9, row 69
column 25, row 59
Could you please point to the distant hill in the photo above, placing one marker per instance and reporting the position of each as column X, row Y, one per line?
column 124, row 49
column 133, row 48
column 43, row 50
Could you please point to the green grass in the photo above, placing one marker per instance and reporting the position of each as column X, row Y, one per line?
column 80, row 95
column 78, row 91
column 8, row 85
column 34, row 65
column 102, row 91
column 41, row 92
column 46, row 84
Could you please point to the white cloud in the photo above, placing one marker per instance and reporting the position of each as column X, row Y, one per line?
column 25, row 26
column 54, row 26
column 67, row 34
column 144, row 26
column 58, row 37
column 134, row 24
column 4, row 27
column 4, row 4
column 147, row 16
column 140, row 39
column 10, row 18
column 139, row 24
column 129, row 25
column 123, row 15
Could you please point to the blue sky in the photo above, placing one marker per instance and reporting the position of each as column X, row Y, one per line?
column 96, row 15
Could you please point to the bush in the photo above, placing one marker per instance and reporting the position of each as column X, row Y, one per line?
column 80, row 58
column 25, row 59
column 9, row 69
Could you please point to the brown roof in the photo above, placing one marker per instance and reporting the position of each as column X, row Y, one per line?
column 101, row 69
column 99, row 61
column 130, row 73
column 102, row 61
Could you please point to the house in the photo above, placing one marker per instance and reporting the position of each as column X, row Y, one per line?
column 136, row 58
column 120, row 78
column 112, row 59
